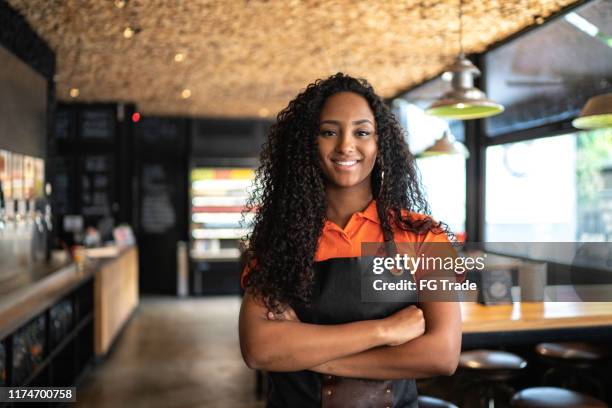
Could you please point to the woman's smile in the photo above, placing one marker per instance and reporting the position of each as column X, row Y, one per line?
column 344, row 165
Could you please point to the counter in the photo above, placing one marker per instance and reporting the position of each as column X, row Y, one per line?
column 532, row 322
column 65, row 317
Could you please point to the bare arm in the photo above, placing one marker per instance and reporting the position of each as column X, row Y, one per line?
column 285, row 345
column 434, row 353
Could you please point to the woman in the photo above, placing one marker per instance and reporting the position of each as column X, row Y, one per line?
column 336, row 172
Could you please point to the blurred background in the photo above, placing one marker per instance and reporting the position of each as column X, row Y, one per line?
column 130, row 132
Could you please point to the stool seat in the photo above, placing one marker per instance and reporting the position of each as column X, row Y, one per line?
column 572, row 351
column 431, row 402
column 551, row 397
column 491, row 360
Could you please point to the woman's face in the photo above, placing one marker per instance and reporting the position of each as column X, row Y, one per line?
column 347, row 140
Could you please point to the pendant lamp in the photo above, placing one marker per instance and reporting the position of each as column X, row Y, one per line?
column 464, row 101
column 445, row 145
column 596, row 113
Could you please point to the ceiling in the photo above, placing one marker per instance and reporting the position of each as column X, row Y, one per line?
column 248, row 58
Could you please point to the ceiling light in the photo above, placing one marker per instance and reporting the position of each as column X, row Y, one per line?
column 179, row 57
column 464, row 100
column 74, row 92
column 582, row 24
column 445, row 145
column 186, row 93
column 128, row 32
column 120, row 3
column 596, row 114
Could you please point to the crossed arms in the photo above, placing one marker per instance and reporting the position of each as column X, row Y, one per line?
column 412, row 343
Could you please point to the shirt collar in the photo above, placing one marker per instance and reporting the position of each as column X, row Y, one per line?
column 370, row 212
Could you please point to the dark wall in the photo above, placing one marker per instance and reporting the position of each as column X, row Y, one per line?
column 228, row 139
column 28, row 64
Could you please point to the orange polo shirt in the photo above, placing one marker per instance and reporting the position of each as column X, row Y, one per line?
column 363, row 226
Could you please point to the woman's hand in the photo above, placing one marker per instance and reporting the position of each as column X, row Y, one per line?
column 288, row 314
column 403, row 326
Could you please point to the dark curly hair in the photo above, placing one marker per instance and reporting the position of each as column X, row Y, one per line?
column 289, row 202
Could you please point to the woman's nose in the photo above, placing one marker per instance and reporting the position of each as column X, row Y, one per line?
column 346, row 143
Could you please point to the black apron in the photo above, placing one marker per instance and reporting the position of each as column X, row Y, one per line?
column 337, row 299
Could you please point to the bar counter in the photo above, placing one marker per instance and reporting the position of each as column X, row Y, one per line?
column 65, row 316
column 530, row 322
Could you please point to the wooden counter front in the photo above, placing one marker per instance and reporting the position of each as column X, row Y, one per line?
column 115, row 297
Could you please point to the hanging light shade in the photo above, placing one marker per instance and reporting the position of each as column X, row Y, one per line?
column 445, row 145
column 596, row 113
column 464, row 101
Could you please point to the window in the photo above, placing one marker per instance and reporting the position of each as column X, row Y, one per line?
column 555, row 189
column 443, row 177
column 547, row 74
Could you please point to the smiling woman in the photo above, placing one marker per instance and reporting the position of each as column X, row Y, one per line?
column 337, row 173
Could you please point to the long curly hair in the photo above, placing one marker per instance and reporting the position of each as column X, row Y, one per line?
column 289, row 202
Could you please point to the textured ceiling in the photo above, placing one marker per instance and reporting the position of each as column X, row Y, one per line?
column 249, row 58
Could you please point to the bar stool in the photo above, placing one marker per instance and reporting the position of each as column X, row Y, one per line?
column 552, row 397
column 431, row 402
column 487, row 371
column 571, row 364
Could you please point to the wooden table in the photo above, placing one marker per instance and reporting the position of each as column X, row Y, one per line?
column 530, row 322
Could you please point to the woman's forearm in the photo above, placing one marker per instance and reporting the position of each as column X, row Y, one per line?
column 426, row 356
column 434, row 353
column 292, row 345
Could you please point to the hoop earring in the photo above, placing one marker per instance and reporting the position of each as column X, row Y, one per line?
column 382, row 171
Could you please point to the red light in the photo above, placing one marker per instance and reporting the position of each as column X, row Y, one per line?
column 135, row 117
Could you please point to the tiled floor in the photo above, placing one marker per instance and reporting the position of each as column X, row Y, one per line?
column 174, row 353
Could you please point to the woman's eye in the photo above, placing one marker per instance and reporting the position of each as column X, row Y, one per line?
column 327, row 133
column 363, row 133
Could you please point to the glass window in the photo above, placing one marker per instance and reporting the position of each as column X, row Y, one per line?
column 549, row 73
column 555, row 189
column 443, row 177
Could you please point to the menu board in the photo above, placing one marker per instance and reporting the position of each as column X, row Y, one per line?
column 39, row 178
column 21, row 177
column 98, row 124
column 96, row 185
column 157, row 213
column 63, row 124
column 5, row 175
column 28, row 178
column 17, row 176
column 63, row 185
column 159, row 133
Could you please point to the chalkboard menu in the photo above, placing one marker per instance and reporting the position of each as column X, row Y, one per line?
column 64, row 124
column 156, row 131
column 96, row 185
column 158, row 190
column 98, row 124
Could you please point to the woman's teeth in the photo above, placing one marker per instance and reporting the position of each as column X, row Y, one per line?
column 345, row 163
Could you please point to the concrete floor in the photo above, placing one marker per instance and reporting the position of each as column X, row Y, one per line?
column 174, row 353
